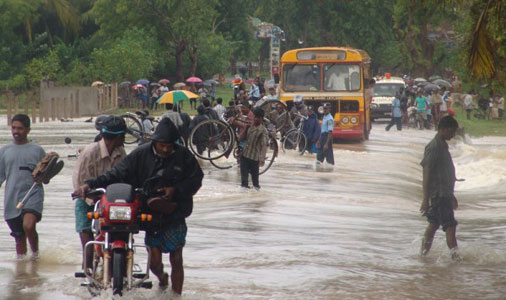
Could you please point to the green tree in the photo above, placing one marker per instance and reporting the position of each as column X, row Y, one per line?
column 179, row 25
column 131, row 56
column 43, row 16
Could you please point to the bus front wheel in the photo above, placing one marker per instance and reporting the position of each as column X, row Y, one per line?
column 366, row 132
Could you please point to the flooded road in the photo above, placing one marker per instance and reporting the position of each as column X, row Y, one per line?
column 352, row 233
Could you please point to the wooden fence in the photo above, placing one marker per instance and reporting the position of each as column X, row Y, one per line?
column 62, row 107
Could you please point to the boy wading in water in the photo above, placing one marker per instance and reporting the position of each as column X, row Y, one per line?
column 253, row 153
column 439, row 201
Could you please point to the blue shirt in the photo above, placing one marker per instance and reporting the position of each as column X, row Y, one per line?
column 327, row 123
column 255, row 91
column 396, row 105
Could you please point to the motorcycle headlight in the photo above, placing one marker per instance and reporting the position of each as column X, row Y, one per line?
column 120, row 213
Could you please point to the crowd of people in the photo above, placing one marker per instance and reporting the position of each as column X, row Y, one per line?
column 419, row 109
column 105, row 162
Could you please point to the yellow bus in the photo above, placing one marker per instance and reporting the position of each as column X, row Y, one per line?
column 337, row 75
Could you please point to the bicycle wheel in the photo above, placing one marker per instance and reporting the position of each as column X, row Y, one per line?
column 276, row 112
column 227, row 161
column 211, row 139
column 294, row 141
column 134, row 129
column 270, row 155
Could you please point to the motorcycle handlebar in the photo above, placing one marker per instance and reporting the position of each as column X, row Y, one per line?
column 90, row 193
column 95, row 193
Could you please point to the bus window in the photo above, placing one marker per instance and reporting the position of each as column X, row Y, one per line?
column 301, row 77
column 347, row 106
column 341, row 77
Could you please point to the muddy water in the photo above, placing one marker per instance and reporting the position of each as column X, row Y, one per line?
column 349, row 233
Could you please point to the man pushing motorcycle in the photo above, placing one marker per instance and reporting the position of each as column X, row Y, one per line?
column 179, row 178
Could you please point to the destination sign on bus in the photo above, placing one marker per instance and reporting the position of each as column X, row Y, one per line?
column 321, row 55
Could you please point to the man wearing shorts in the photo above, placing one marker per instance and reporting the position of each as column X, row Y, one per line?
column 17, row 161
column 97, row 158
column 181, row 177
column 439, row 201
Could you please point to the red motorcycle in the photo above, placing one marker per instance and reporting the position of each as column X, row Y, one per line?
column 116, row 218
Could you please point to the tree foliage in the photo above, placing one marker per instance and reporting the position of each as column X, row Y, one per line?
column 80, row 41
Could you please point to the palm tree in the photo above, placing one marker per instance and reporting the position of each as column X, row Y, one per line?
column 482, row 53
column 65, row 12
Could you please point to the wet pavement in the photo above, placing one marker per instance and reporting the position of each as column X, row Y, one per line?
column 353, row 232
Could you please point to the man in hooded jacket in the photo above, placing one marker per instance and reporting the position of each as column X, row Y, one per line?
column 181, row 177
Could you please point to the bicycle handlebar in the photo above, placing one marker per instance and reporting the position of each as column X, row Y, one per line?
column 301, row 115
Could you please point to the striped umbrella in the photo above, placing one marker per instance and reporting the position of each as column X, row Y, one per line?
column 176, row 96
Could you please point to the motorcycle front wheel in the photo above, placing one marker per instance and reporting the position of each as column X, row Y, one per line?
column 118, row 271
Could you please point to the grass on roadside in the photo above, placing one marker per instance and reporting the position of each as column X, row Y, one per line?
column 476, row 127
column 224, row 92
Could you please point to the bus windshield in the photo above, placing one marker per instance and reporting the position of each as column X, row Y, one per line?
column 386, row 89
column 301, row 77
column 341, row 77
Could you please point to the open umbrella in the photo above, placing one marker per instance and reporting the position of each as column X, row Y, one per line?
column 179, row 85
column 422, row 83
column 442, row 83
column 193, row 80
column 434, row 77
column 210, row 82
column 124, row 83
column 431, row 87
column 154, row 84
column 176, row 96
column 237, row 81
column 97, row 83
column 419, row 79
column 142, row 81
column 138, row 86
column 163, row 81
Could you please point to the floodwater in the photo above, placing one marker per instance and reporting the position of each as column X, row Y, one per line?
column 350, row 233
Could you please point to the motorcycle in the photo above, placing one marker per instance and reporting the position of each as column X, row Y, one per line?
column 116, row 218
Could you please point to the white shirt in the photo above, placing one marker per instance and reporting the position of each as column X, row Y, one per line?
column 220, row 110
column 336, row 82
column 500, row 103
column 468, row 100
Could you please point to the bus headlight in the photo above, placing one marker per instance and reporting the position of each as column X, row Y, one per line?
column 320, row 110
column 374, row 105
column 353, row 120
column 120, row 213
column 345, row 120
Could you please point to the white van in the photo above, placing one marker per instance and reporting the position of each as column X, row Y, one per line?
column 384, row 94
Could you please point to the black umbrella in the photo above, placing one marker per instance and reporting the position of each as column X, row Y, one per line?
column 124, row 83
column 431, row 87
column 442, row 83
column 422, row 83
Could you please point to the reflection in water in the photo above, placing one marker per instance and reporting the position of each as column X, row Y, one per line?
column 353, row 233
column 25, row 283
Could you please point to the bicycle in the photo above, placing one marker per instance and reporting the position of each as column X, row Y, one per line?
column 217, row 142
column 295, row 139
column 276, row 112
column 135, row 130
